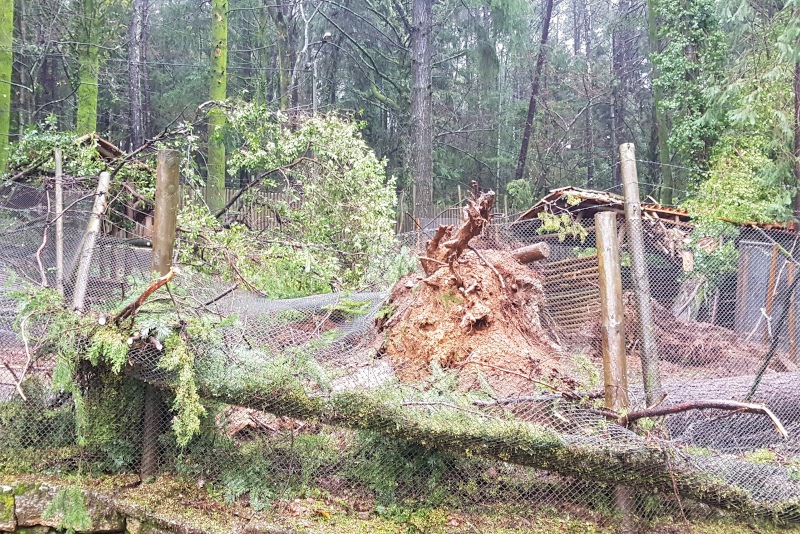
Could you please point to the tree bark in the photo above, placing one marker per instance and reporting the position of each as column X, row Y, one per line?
column 88, row 68
column 135, row 34
column 667, row 184
column 796, row 166
column 537, row 74
column 532, row 253
column 422, row 106
column 280, row 14
column 589, row 123
column 23, row 111
column 619, row 84
column 6, row 63
column 215, row 184
column 147, row 111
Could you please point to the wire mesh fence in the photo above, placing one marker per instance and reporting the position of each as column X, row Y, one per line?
column 472, row 386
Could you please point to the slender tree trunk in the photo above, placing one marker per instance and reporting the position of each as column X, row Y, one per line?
column 422, row 106
column 88, row 68
column 135, row 73
column 537, row 74
column 285, row 61
column 619, row 88
column 147, row 111
column 6, row 63
column 215, row 185
column 796, row 166
column 589, row 123
column 667, row 184
column 23, row 118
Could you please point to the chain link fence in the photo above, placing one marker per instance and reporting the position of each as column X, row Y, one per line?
column 411, row 395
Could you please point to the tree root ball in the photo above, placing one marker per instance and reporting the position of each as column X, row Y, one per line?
column 462, row 318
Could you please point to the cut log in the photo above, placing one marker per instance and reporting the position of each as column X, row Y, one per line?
column 532, row 253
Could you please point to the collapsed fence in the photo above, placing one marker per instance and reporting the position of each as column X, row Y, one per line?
column 472, row 392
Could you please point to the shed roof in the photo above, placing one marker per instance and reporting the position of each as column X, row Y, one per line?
column 590, row 202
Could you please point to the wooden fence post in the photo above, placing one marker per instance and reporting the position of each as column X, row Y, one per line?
column 615, row 365
column 641, row 280
column 59, row 224
column 89, row 240
column 166, row 221
column 166, row 213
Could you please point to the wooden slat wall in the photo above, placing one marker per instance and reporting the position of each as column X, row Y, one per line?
column 572, row 288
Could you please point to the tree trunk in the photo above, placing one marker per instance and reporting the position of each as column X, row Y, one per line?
column 796, row 166
column 666, row 197
column 422, row 106
column 537, row 74
column 6, row 63
column 88, row 68
column 23, row 110
column 589, row 123
column 619, row 84
column 87, row 91
column 135, row 74
column 215, row 185
column 147, row 112
column 285, row 61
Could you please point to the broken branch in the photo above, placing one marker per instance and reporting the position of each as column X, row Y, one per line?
column 734, row 406
column 130, row 309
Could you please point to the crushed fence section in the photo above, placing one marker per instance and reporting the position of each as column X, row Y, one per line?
column 265, row 399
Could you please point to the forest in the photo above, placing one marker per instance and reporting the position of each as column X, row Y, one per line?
column 520, row 95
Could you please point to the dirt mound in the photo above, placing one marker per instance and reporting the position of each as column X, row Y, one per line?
column 703, row 346
column 463, row 318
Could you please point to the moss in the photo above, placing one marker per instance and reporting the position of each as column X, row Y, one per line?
column 6, row 506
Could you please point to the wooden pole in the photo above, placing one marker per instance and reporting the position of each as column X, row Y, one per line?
column 641, row 281
column 460, row 198
column 89, row 240
column 164, row 227
column 532, row 253
column 166, row 215
column 615, row 366
column 59, row 224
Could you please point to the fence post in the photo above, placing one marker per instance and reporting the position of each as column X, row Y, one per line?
column 166, row 221
column 59, row 224
column 641, row 280
column 166, row 213
column 615, row 366
column 89, row 240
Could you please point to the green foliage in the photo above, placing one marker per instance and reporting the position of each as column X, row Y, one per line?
column 562, row 224
column 180, row 359
column 334, row 235
column 740, row 185
column 689, row 62
column 69, row 504
column 112, row 345
column 78, row 158
column 521, row 194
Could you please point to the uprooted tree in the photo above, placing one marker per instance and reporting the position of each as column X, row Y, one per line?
column 460, row 340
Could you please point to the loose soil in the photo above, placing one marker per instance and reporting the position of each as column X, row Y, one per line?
column 464, row 319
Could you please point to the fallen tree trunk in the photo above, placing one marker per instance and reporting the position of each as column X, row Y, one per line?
column 589, row 454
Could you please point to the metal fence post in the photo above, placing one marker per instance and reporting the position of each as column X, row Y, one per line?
column 59, row 224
